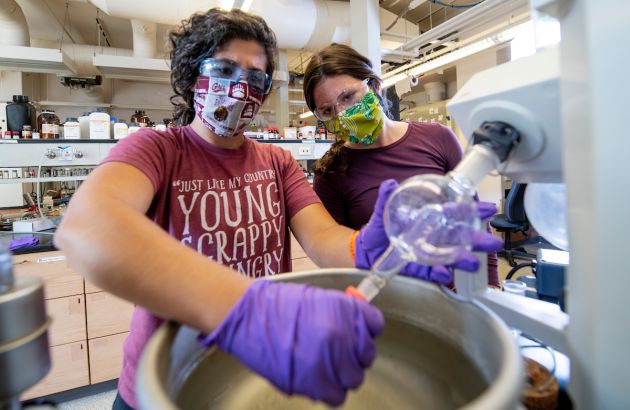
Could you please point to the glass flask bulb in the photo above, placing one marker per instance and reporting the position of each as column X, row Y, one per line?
column 429, row 219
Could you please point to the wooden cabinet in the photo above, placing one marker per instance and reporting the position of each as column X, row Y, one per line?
column 88, row 325
column 68, row 319
column 106, row 356
column 52, row 268
column 91, row 288
column 107, row 314
column 69, row 369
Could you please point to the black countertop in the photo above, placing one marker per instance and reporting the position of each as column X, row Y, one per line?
column 110, row 141
column 45, row 241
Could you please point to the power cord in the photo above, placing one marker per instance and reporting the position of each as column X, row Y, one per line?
column 521, row 266
column 456, row 6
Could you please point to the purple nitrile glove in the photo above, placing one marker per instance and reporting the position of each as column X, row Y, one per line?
column 303, row 339
column 23, row 242
column 372, row 241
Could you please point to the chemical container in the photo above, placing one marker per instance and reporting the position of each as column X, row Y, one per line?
column 48, row 125
column 19, row 113
column 120, row 130
column 84, row 125
column 72, row 129
column 99, row 126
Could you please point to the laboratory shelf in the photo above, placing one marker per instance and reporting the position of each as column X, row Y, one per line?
column 42, row 179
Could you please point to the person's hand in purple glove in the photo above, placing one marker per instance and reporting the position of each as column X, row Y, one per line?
column 372, row 241
column 303, row 339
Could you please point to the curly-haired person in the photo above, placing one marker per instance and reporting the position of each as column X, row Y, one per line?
column 181, row 222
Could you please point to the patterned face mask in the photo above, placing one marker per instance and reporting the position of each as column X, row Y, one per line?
column 225, row 106
column 361, row 123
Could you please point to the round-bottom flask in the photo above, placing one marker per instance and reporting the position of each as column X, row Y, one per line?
column 429, row 219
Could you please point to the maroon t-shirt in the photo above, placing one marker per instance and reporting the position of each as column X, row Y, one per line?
column 232, row 205
column 425, row 148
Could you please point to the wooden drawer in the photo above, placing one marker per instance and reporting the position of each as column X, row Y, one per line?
column 107, row 314
column 302, row 264
column 106, row 356
column 51, row 267
column 69, row 370
column 296, row 249
column 68, row 320
column 91, row 288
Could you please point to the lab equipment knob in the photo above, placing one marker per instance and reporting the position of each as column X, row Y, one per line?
column 77, row 153
column 50, row 153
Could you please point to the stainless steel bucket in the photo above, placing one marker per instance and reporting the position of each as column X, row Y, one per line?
column 437, row 352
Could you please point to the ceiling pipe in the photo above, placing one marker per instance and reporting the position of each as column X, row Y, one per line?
column 483, row 13
column 82, row 54
column 13, row 27
column 320, row 22
column 144, row 38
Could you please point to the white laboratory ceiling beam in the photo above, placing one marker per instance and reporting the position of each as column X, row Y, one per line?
column 282, row 100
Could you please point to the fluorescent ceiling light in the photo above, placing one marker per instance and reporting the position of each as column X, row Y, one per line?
column 415, row 71
column 246, row 5
column 154, row 70
column 35, row 60
column 306, row 114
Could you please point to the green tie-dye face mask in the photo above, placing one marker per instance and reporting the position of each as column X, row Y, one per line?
column 360, row 123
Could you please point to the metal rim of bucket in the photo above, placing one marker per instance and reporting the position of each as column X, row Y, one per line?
column 503, row 392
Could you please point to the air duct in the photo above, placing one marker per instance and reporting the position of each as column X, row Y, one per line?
column 321, row 21
column 82, row 54
column 435, row 90
column 13, row 28
column 144, row 38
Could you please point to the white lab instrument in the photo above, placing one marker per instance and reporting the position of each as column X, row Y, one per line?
column 563, row 102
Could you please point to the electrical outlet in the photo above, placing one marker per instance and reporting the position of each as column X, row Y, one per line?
column 305, row 150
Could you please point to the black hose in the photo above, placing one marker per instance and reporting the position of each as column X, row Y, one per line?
column 456, row 6
column 519, row 267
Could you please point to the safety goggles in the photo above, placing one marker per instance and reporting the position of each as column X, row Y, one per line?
column 346, row 99
column 229, row 70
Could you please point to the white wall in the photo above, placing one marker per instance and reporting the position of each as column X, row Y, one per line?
column 152, row 97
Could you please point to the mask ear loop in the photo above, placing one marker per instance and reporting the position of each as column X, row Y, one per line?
column 378, row 95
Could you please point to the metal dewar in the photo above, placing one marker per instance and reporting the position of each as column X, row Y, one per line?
column 24, row 354
column 438, row 351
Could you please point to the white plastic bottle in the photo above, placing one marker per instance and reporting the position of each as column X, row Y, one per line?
column 133, row 127
column 71, row 129
column 47, row 203
column 84, row 125
column 120, row 129
column 99, row 126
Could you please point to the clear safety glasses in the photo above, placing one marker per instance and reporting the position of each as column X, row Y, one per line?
column 229, row 70
column 346, row 99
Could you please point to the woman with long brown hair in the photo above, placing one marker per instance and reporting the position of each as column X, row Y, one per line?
column 343, row 91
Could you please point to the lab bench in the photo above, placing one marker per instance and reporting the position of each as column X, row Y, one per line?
column 69, row 161
column 89, row 325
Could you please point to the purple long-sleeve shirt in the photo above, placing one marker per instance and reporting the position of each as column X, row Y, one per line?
column 424, row 149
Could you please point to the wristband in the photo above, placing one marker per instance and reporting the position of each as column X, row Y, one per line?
column 353, row 242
